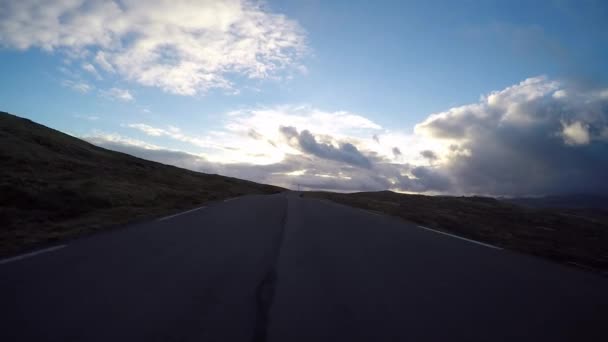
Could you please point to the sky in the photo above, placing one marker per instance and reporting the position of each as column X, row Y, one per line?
column 499, row 98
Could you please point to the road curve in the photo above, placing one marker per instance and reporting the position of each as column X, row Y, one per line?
column 285, row 268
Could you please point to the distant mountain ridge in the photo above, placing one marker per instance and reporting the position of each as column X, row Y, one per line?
column 578, row 201
column 54, row 186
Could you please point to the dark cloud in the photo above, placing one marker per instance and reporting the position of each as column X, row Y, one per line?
column 345, row 152
column 252, row 133
column 396, row 152
column 538, row 137
column 289, row 132
column 429, row 155
column 376, row 138
column 428, row 179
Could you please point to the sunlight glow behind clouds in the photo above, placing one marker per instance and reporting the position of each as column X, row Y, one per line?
column 183, row 47
column 254, row 135
column 327, row 150
column 522, row 140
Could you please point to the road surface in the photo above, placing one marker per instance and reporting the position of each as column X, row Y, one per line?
column 285, row 268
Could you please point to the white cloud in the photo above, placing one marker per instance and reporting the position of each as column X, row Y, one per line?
column 254, row 136
column 291, row 172
column 149, row 130
column 100, row 59
column 87, row 117
column 91, row 69
column 101, row 138
column 518, row 141
column 176, row 134
column 336, row 149
column 576, row 133
column 268, row 120
column 182, row 46
column 560, row 94
column 118, row 94
column 79, row 86
column 522, row 140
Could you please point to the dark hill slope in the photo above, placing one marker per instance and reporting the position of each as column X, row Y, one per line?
column 54, row 186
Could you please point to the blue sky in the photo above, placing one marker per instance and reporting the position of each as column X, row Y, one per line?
column 359, row 75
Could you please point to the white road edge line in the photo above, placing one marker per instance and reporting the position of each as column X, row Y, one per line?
column 182, row 213
column 461, row 238
column 31, row 254
column 230, row 199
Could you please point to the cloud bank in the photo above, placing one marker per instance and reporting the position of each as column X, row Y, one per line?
column 289, row 146
column 181, row 46
column 537, row 137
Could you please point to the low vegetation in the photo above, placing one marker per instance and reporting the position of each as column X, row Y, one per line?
column 578, row 237
column 54, row 186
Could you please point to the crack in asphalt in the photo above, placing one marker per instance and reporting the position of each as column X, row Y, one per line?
column 266, row 288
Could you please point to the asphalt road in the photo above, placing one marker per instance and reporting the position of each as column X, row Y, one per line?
column 284, row 268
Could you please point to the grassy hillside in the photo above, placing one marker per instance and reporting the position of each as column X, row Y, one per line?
column 573, row 236
column 54, row 186
column 568, row 202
